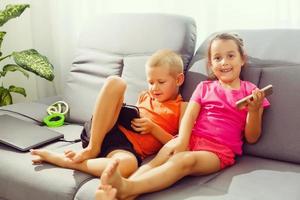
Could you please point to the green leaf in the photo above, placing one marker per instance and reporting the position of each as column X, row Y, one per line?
column 12, row 11
column 18, row 90
column 2, row 34
column 33, row 61
column 13, row 68
column 5, row 97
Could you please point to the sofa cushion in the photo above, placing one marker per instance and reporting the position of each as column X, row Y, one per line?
column 265, row 44
column 256, row 178
column 29, row 111
column 195, row 74
column 280, row 137
column 251, row 73
column 185, row 188
column 106, row 46
column 88, row 73
column 135, row 77
column 250, row 178
column 22, row 180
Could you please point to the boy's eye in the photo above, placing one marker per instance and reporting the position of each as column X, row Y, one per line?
column 161, row 82
column 217, row 58
column 231, row 56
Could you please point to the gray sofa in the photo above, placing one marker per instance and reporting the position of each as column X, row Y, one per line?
column 120, row 44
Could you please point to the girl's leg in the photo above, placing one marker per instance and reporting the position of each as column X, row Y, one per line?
column 105, row 115
column 162, row 156
column 178, row 166
column 128, row 162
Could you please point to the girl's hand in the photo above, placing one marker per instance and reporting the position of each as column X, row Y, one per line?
column 255, row 104
column 143, row 125
column 175, row 146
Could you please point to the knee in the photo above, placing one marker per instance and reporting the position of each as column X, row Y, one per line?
column 115, row 84
column 186, row 161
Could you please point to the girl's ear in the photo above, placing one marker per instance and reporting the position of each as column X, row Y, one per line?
column 180, row 79
column 245, row 60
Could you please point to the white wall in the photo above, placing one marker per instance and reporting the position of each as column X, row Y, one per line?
column 17, row 38
column 52, row 26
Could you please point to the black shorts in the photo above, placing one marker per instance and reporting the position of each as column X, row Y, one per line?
column 116, row 140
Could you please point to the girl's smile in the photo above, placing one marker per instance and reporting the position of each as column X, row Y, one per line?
column 226, row 62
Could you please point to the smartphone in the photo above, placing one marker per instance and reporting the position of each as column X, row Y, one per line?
column 127, row 114
column 268, row 90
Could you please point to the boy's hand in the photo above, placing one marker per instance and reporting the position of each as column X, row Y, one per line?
column 255, row 104
column 143, row 125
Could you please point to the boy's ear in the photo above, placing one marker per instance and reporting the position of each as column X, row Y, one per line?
column 180, row 79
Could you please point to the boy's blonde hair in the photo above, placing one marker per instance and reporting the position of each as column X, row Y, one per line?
column 168, row 58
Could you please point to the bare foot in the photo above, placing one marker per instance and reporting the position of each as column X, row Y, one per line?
column 111, row 176
column 82, row 155
column 43, row 155
column 106, row 192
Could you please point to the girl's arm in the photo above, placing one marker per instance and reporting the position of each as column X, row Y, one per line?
column 254, row 117
column 162, row 135
column 253, row 126
column 187, row 123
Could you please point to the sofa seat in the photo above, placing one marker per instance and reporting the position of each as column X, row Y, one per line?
column 43, row 181
column 250, row 179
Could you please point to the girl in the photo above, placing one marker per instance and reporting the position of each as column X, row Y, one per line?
column 211, row 128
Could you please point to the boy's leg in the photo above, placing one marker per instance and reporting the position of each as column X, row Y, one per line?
column 128, row 162
column 178, row 166
column 105, row 115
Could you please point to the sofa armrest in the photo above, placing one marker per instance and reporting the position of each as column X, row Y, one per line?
column 49, row 100
column 32, row 111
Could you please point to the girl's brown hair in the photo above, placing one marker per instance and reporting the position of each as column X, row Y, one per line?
column 224, row 36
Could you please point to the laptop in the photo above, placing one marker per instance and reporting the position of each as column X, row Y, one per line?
column 23, row 135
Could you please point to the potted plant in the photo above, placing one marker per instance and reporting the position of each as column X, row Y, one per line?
column 24, row 61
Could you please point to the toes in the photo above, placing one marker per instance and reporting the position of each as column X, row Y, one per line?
column 37, row 161
column 34, row 151
column 114, row 165
column 104, row 179
column 112, row 192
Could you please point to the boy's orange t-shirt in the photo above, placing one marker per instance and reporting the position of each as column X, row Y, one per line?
column 166, row 115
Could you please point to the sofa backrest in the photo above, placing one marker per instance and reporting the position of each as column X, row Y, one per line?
column 274, row 58
column 120, row 44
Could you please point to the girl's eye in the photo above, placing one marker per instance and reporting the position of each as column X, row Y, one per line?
column 161, row 82
column 231, row 56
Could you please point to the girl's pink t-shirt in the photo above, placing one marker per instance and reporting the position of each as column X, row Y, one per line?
column 219, row 119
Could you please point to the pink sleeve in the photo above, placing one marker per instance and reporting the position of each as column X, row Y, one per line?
column 197, row 94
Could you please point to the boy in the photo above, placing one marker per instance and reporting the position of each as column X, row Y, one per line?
column 161, row 108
